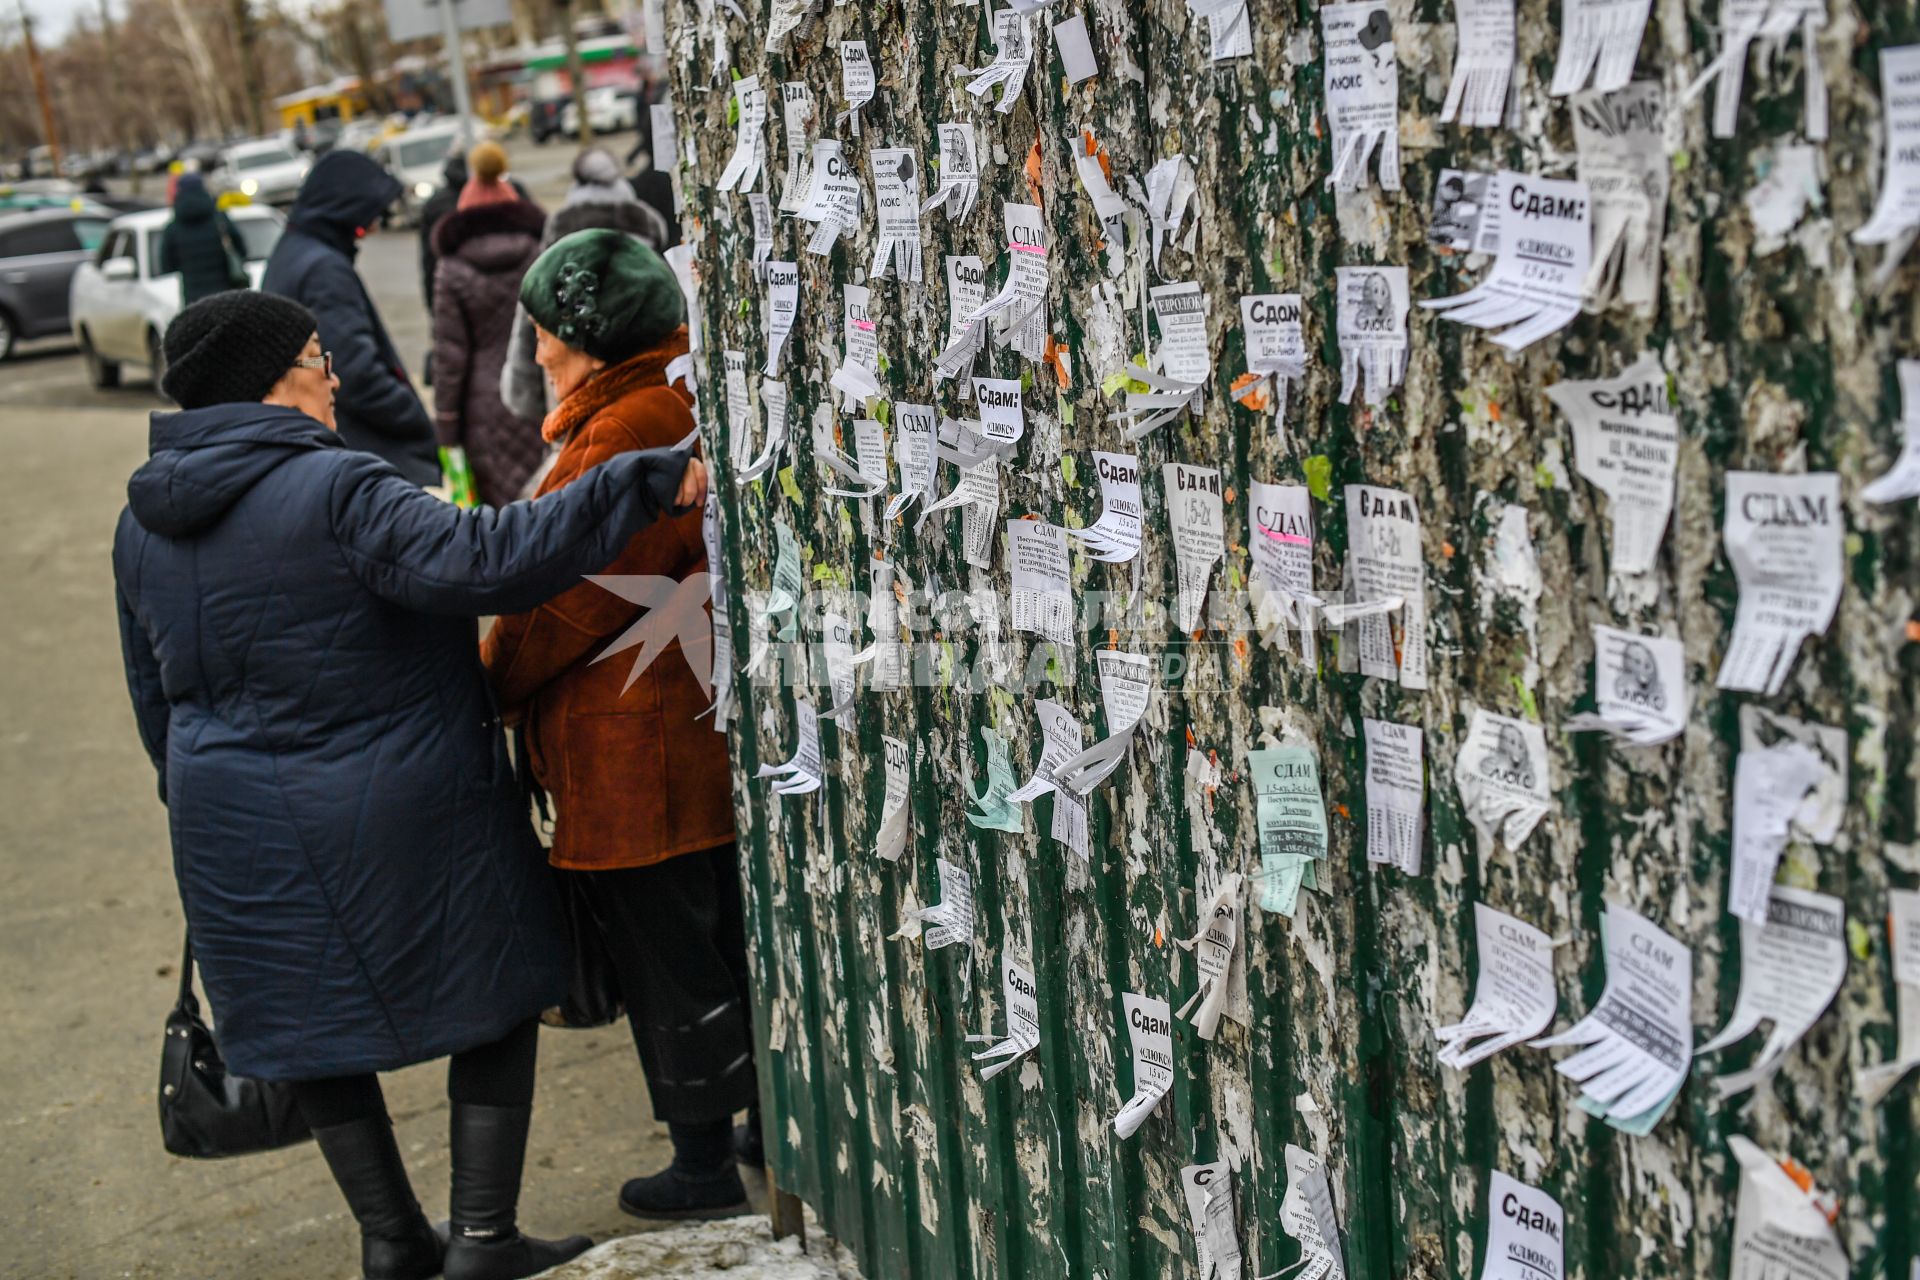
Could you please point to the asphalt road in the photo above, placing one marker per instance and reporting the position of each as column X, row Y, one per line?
column 90, row 925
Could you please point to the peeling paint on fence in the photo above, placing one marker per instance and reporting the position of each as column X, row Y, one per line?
column 1776, row 361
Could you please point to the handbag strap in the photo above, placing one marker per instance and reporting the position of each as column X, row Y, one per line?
column 187, row 999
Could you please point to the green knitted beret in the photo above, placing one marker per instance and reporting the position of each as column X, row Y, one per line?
column 603, row 292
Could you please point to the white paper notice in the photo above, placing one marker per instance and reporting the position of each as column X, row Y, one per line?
column 1115, row 537
column 796, row 104
column 1903, row 937
column 1623, row 161
column 1199, row 535
column 1601, row 39
column 959, row 187
column 1769, row 21
column 1546, row 248
column 1769, row 785
column 1021, row 995
column 802, row 773
column 1524, row 1232
column 1181, row 364
column 1396, row 793
column 857, row 378
column 1783, row 535
column 773, row 398
column 952, row 917
column 1042, row 599
column 1216, row 1239
column 1780, row 1231
column 749, row 139
column 856, row 82
column 1513, row 994
column 666, row 146
column 1386, row 573
column 1012, row 52
column 833, row 198
column 913, row 445
column 1276, row 344
column 1482, row 63
column 1501, row 773
column 1372, row 324
column 1022, row 299
column 895, row 817
column 1213, row 949
column 1229, row 33
column 1639, row 688
column 1639, row 1037
column 1791, row 967
column 1306, row 1214
column 1363, row 93
column 836, row 651
column 1903, row 477
column 1076, row 50
column 1062, row 737
column 1126, row 687
column 722, row 669
column 1787, row 185
column 896, row 197
column 739, row 409
column 1150, row 1028
column 783, row 301
column 1896, row 216
column 1626, row 442
column 1281, row 538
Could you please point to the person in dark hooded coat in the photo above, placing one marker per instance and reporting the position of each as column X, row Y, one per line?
column 362, row 887
column 201, row 245
column 379, row 411
column 438, row 206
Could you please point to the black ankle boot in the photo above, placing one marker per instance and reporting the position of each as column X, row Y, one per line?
column 395, row 1241
column 489, row 1148
column 748, row 1147
column 674, row 1194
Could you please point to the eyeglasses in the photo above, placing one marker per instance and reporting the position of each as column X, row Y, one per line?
column 322, row 361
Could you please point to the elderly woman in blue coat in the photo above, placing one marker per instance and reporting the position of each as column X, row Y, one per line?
column 361, row 884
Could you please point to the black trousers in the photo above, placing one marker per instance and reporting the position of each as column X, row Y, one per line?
column 676, row 933
column 489, row 1075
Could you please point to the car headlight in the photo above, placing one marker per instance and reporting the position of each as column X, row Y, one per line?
column 423, row 189
column 249, row 187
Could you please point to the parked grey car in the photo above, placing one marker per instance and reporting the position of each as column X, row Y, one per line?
column 39, row 252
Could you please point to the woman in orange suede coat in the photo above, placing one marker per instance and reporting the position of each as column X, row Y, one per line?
column 642, row 798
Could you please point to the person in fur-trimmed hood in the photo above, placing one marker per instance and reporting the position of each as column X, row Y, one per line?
column 485, row 247
column 601, row 197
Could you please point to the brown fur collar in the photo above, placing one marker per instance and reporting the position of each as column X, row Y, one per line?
column 614, row 383
column 462, row 225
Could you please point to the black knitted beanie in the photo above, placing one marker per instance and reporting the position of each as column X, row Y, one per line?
column 231, row 348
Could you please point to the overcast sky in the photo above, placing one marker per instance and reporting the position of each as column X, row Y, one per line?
column 51, row 18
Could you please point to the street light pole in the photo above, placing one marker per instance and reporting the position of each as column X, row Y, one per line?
column 47, row 126
column 457, row 69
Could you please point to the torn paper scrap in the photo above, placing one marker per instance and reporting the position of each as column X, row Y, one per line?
column 1385, row 573
column 796, row 105
column 1502, row 775
column 1199, row 535
column 1780, row 1226
column 1902, row 479
column 1306, row 1214
column 1598, row 38
column 959, row 187
column 1769, row 786
column 721, row 669
column 801, row 774
column 1770, row 22
column 951, row 919
column 1896, row 215
column 1788, row 184
column 1012, row 52
column 1213, row 949
column 1639, row 688
column 773, row 398
column 1229, row 33
column 966, row 293
column 1638, row 1040
column 1626, row 443
column 1062, row 737
column 1372, row 325
column 1275, row 336
column 1020, row 993
column 1903, row 938
column 1170, row 188
column 833, row 200
column 1482, row 63
column 783, row 597
column 1216, row 1239
column 1783, row 536
column 1021, row 304
column 1181, row 365
column 1540, row 270
column 1396, row 793
column 1460, row 220
column 1114, row 538
column 1513, row 994
column 1623, row 161
column 857, row 378
column 1293, row 823
column 749, row 156
column 1525, row 1238
column 913, row 445
column 761, row 206
column 895, row 818
column 1281, row 585
column 1126, row 687
column 739, row 409
column 836, row 650
column 1819, row 816
column 1150, row 1029
column 996, row 811
column 856, row 83
column 1791, row 967
column 1362, row 86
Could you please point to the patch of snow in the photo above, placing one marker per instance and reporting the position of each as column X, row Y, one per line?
column 730, row 1249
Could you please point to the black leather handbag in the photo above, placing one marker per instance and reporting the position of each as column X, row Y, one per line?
column 205, row 1113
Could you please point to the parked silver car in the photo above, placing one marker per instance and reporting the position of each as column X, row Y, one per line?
column 39, row 252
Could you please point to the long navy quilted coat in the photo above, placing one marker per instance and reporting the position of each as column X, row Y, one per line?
column 359, row 876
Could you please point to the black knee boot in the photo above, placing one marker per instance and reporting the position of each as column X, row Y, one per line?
column 489, row 1148
column 395, row 1241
